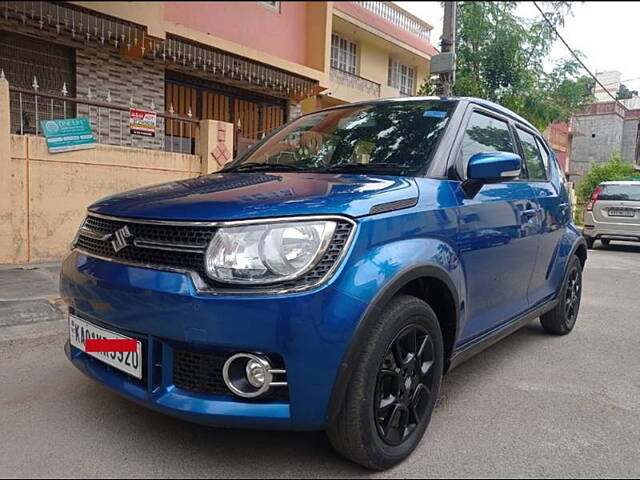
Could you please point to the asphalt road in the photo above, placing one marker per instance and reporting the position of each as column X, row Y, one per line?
column 531, row 406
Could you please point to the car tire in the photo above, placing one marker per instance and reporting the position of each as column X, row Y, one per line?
column 590, row 242
column 606, row 242
column 562, row 318
column 389, row 400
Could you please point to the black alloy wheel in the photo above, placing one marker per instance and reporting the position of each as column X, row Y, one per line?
column 393, row 385
column 572, row 296
column 404, row 385
column 564, row 315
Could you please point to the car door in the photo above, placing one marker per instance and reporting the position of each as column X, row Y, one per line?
column 555, row 212
column 497, row 231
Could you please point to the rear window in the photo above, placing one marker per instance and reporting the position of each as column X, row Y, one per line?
column 620, row 192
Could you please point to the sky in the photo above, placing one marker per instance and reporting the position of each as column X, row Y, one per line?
column 605, row 32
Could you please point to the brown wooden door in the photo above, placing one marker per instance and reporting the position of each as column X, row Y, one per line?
column 273, row 117
column 183, row 100
column 247, row 118
column 215, row 106
column 254, row 120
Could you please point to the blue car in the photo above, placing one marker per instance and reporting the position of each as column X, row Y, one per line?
column 327, row 278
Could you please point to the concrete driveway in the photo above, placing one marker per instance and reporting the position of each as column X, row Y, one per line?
column 531, row 406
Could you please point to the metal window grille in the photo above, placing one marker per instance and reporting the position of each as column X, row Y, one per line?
column 26, row 60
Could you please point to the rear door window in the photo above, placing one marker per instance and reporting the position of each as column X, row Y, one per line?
column 620, row 192
column 532, row 156
column 545, row 155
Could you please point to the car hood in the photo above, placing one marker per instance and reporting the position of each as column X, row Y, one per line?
column 236, row 196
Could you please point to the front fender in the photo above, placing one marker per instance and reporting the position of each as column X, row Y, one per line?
column 378, row 275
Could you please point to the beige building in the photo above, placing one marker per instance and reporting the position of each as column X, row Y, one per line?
column 378, row 50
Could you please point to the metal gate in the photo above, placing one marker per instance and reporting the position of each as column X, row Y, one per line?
column 253, row 115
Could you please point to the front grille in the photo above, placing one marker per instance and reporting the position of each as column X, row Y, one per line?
column 202, row 373
column 189, row 237
column 182, row 235
column 183, row 247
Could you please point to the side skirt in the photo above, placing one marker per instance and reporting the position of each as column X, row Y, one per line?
column 489, row 339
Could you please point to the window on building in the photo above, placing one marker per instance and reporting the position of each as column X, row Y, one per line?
column 343, row 54
column 401, row 77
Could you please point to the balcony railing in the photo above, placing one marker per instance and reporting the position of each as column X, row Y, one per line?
column 354, row 81
column 399, row 17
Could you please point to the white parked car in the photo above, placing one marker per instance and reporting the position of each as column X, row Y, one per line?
column 613, row 213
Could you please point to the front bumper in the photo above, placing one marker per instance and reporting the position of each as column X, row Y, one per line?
column 309, row 331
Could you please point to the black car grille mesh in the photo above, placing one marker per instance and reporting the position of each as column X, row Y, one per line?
column 194, row 237
column 183, row 247
column 183, row 235
column 202, row 373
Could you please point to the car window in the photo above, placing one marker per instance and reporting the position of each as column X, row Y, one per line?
column 485, row 134
column 620, row 192
column 397, row 138
column 532, row 156
column 545, row 155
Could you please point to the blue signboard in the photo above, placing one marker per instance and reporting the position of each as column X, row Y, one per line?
column 67, row 135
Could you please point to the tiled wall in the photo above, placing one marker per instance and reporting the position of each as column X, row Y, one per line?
column 103, row 69
column 137, row 82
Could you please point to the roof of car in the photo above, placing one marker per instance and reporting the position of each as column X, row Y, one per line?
column 478, row 101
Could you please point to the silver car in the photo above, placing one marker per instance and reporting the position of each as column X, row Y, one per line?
column 613, row 213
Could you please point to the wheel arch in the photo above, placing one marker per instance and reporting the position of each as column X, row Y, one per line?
column 428, row 282
column 580, row 250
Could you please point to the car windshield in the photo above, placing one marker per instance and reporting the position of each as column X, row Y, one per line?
column 621, row 192
column 396, row 138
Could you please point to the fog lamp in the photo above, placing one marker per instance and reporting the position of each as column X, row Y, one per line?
column 256, row 373
column 248, row 375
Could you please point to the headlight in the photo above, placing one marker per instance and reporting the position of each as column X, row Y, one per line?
column 267, row 253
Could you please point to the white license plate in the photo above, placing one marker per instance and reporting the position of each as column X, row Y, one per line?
column 621, row 213
column 128, row 362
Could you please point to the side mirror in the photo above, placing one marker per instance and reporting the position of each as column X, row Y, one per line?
column 490, row 168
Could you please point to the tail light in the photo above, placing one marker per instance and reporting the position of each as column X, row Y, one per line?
column 594, row 196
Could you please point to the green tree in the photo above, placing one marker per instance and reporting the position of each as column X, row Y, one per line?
column 500, row 57
column 427, row 89
column 615, row 169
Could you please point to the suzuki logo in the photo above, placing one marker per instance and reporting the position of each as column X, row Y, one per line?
column 120, row 238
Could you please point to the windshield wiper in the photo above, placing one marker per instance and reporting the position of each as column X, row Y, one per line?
column 367, row 167
column 245, row 167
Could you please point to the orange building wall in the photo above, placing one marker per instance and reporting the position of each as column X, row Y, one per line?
column 248, row 23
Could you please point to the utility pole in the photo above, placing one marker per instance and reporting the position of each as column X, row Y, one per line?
column 448, row 46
